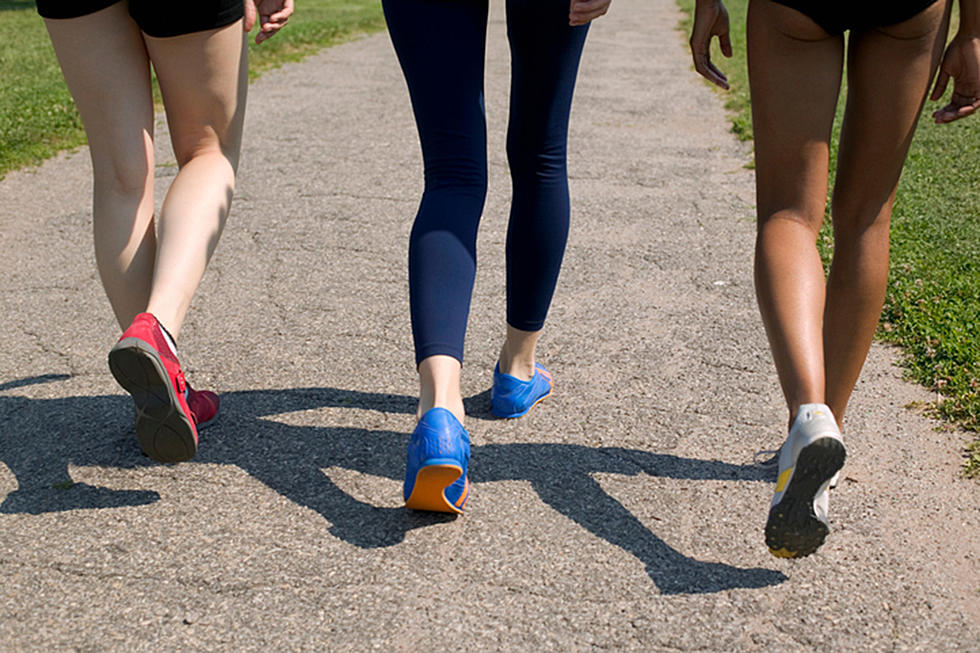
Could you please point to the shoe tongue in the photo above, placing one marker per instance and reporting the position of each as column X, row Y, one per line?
column 809, row 411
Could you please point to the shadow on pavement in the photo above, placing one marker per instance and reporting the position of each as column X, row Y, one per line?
column 40, row 437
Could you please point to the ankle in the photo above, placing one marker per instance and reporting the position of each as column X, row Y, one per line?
column 439, row 378
column 517, row 357
column 521, row 367
column 454, row 406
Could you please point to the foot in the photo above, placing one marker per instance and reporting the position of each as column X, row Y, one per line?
column 511, row 397
column 147, row 368
column 437, row 460
column 204, row 406
column 808, row 462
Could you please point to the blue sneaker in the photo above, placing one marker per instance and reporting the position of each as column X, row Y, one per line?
column 511, row 397
column 435, row 472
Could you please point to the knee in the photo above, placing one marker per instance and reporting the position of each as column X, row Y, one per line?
column 861, row 221
column 125, row 173
column 546, row 163
column 796, row 218
column 206, row 146
column 458, row 176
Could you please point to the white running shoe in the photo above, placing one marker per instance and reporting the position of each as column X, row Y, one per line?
column 808, row 464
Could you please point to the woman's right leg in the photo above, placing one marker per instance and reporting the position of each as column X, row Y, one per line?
column 545, row 53
column 203, row 79
column 108, row 73
column 440, row 46
column 795, row 72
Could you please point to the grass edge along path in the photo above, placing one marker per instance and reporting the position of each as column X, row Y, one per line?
column 932, row 309
column 37, row 115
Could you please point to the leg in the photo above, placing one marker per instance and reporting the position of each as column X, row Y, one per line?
column 792, row 136
column 440, row 46
column 545, row 53
column 107, row 71
column 897, row 63
column 203, row 79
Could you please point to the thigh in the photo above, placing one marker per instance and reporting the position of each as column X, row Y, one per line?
column 107, row 72
column 203, row 79
column 441, row 48
column 889, row 72
column 179, row 17
column 71, row 8
column 794, row 73
column 545, row 55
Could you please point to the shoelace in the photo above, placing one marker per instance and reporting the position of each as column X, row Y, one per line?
column 771, row 461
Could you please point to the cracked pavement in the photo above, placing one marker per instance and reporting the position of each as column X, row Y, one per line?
column 625, row 512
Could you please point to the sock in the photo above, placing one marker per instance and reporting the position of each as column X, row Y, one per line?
column 168, row 338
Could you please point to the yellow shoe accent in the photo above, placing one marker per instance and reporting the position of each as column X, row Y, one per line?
column 783, row 553
column 430, row 483
column 784, row 479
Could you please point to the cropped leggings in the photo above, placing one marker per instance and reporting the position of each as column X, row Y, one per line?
column 441, row 48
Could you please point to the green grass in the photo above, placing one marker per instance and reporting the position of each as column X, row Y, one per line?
column 37, row 116
column 932, row 309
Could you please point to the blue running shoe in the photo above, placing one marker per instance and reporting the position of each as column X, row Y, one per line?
column 511, row 397
column 435, row 472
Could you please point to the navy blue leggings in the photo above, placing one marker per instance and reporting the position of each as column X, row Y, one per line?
column 441, row 47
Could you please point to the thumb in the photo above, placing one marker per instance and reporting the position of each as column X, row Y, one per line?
column 726, row 44
column 250, row 14
column 940, row 87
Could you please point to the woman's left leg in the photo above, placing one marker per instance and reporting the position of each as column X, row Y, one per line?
column 897, row 62
column 545, row 54
column 203, row 79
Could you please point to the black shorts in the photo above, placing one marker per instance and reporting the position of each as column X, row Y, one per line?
column 838, row 16
column 155, row 17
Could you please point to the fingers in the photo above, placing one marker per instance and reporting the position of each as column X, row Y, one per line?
column 283, row 14
column 700, row 44
column 959, row 107
column 704, row 66
column 941, row 81
column 581, row 12
column 271, row 23
column 250, row 14
column 726, row 44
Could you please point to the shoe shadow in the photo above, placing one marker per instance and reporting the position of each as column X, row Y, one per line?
column 40, row 437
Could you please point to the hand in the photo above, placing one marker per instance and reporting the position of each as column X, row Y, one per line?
column 710, row 19
column 581, row 12
column 272, row 16
column 962, row 63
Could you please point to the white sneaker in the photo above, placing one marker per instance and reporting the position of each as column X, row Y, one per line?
column 808, row 464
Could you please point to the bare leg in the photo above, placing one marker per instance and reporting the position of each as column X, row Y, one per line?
column 896, row 63
column 517, row 353
column 203, row 79
column 439, row 378
column 107, row 71
column 792, row 142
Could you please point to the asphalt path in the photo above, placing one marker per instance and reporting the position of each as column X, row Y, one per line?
column 625, row 512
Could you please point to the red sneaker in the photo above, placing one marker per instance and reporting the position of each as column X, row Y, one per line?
column 143, row 363
column 204, row 406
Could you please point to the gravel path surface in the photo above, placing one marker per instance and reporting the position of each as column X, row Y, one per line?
column 623, row 513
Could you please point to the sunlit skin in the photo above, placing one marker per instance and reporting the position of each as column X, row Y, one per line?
column 820, row 329
column 146, row 261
